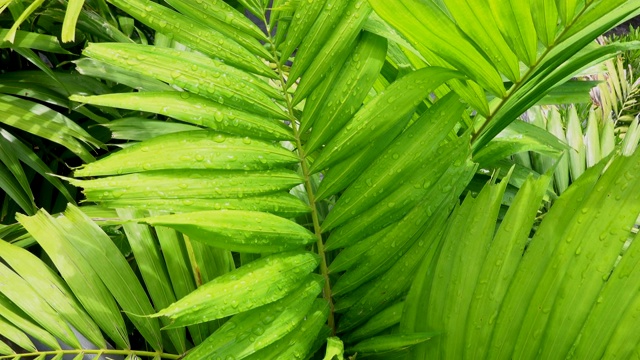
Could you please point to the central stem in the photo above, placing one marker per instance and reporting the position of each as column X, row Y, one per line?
column 324, row 269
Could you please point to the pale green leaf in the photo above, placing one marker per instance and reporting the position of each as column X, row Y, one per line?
column 79, row 275
column 31, row 40
column 151, row 264
column 71, row 19
column 42, row 278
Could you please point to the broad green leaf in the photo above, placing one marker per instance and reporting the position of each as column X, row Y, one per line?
column 515, row 21
column 71, row 19
column 44, row 122
column 194, row 34
column 102, row 70
column 388, row 249
column 196, row 110
column 415, row 149
column 384, row 343
column 314, row 103
column 501, row 263
column 419, row 20
column 10, row 36
column 281, row 204
column 545, row 20
column 12, row 187
column 518, row 137
column 280, row 19
column 5, row 349
column 256, row 7
column 537, row 258
column 335, row 47
column 599, row 241
column 152, row 268
column 221, row 17
column 192, row 184
column 16, row 336
column 42, row 278
column 176, row 259
column 258, row 283
column 617, row 304
column 461, row 244
column 12, row 163
column 79, row 275
column 477, row 22
column 217, row 13
column 567, row 10
column 193, row 72
column 98, row 250
column 348, row 91
column 340, row 176
column 89, row 22
column 303, row 18
column 16, row 318
column 378, row 294
column 192, row 150
column 31, row 40
column 571, row 92
column 299, row 342
column 402, row 201
column 141, row 129
column 250, row 334
column 377, row 26
column 17, row 289
column 351, row 255
column 317, row 36
column 237, row 230
column 381, row 321
column 381, row 114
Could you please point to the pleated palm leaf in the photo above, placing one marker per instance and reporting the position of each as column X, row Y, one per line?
column 399, row 260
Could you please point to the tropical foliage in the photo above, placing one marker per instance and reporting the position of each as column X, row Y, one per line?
column 318, row 179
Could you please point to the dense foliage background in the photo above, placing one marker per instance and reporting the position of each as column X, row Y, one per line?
column 319, row 179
